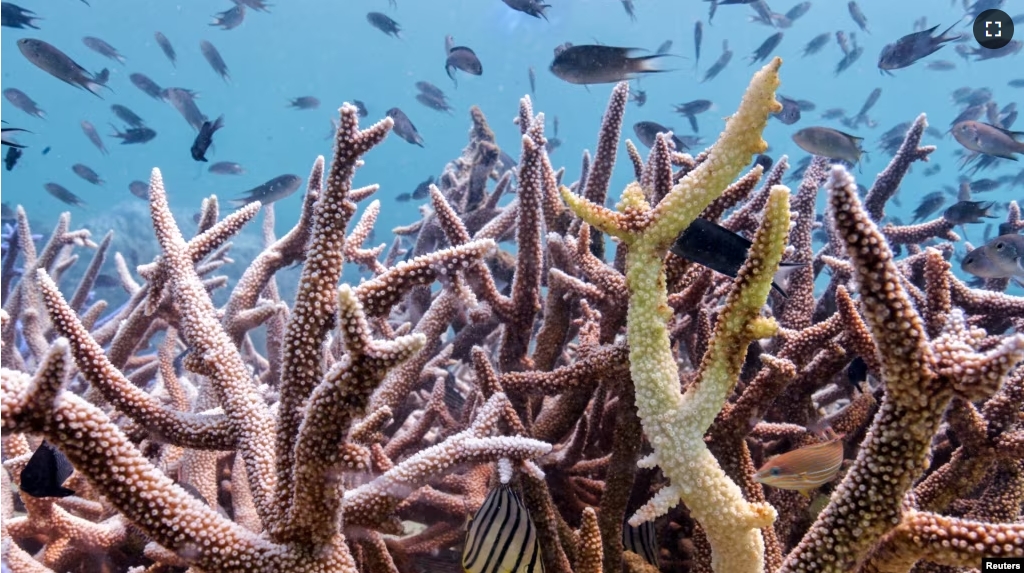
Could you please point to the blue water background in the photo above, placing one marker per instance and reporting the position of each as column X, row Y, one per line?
column 328, row 50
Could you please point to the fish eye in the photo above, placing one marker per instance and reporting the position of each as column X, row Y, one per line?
column 775, row 471
column 969, row 260
column 999, row 246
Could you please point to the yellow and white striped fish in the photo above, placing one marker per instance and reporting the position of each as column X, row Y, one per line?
column 641, row 540
column 805, row 469
column 502, row 537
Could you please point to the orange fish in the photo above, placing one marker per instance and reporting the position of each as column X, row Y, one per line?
column 805, row 469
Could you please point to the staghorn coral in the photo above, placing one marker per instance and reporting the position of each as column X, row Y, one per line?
column 357, row 428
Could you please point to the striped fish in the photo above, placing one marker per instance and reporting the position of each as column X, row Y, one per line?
column 805, row 469
column 641, row 540
column 502, row 537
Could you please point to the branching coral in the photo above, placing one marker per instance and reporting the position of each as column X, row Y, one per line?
column 360, row 426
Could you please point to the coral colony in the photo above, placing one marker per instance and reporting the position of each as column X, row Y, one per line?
column 618, row 407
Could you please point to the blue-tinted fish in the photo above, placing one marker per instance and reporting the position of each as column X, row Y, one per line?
column 404, row 127
column 502, row 538
column 134, row 135
column 86, row 172
column 967, row 212
column 533, row 81
column 274, row 190
column 911, row 48
column 719, row 249
column 384, row 24
column 184, row 101
column 858, row 16
column 766, row 48
column 63, row 195
column 148, row 86
column 719, row 65
column 90, row 132
column 103, row 48
column 215, row 60
column 816, row 44
column 647, row 132
column 829, row 142
column 698, row 39
column 166, row 47
column 530, row 7
column 989, row 139
column 805, row 469
column 139, row 188
column 205, row 138
column 11, row 157
column 45, row 473
column 595, row 64
column 58, row 64
column 14, row 16
column 230, row 19
column 126, row 115
column 930, row 203
column 226, row 168
column 462, row 58
column 21, row 101
column 304, row 102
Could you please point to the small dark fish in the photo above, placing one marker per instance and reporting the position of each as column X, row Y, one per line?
column 214, row 59
column 639, row 97
column 139, row 188
column 940, row 66
column 627, row 5
column 533, row 81
column 104, row 280
column 102, row 48
column 804, row 469
column 384, row 24
column 226, row 168
column 403, row 197
column 989, row 139
column 85, row 172
column 985, row 185
column 58, row 64
column 20, row 100
column 102, row 77
column 404, row 127
column 765, row 49
column 843, row 41
column 857, row 371
column 46, row 150
column 932, row 169
column 664, row 47
column 502, row 537
column 790, row 113
column 462, row 58
column 304, row 102
column 764, row 161
column 829, row 142
column 438, row 104
column 184, row 101
column 134, row 135
column 1017, row 83
column 431, row 90
column 967, row 212
column 148, row 86
column 858, row 16
column 167, row 48
column 796, row 12
column 63, row 195
column 816, row 44
column 647, row 131
column 230, row 19
column 1002, row 257
column 833, row 113
column 690, row 109
column 422, row 190
column 698, row 39
column 45, row 473
column 14, row 16
column 361, row 107
column 274, row 190
column 257, row 5
column 930, row 203
column 848, row 60
column 552, row 144
column 529, row 7
column 911, row 48
column 1010, row 49
column 720, row 64
column 11, row 157
column 94, row 136
column 205, row 138
column 126, row 115
column 716, row 248
column 593, row 64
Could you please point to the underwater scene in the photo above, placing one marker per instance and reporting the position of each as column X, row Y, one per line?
column 512, row 286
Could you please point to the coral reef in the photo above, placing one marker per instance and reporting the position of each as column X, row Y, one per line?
column 360, row 426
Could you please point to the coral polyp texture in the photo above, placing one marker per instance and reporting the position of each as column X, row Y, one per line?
column 628, row 400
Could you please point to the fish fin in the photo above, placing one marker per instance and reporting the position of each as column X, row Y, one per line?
column 779, row 290
column 91, row 87
column 64, row 467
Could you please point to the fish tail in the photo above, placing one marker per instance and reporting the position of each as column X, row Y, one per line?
column 92, row 87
